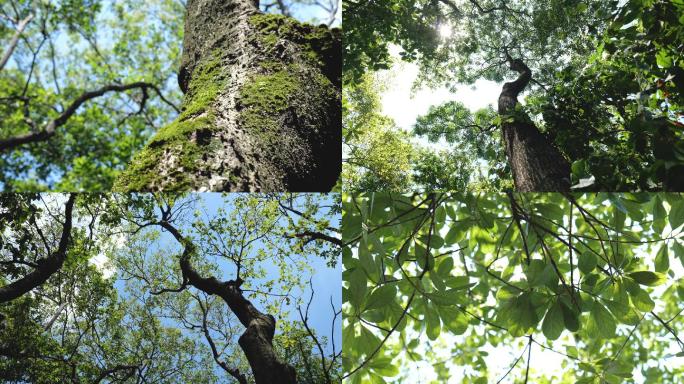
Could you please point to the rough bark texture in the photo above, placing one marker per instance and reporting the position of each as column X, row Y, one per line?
column 262, row 106
column 536, row 163
column 257, row 340
column 46, row 266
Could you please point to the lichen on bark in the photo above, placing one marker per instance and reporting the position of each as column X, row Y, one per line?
column 262, row 107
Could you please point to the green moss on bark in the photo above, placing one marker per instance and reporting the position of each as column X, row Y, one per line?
column 181, row 139
column 204, row 88
column 275, row 101
column 317, row 42
column 263, row 99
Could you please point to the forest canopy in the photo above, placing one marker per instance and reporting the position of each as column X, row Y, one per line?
column 603, row 92
column 153, row 288
column 513, row 287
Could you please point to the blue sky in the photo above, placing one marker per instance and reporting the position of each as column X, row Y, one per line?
column 326, row 281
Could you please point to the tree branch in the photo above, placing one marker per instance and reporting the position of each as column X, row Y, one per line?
column 46, row 266
column 51, row 127
column 105, row 373
column 240, row 377
column 15, row 39
column 318, row 236
column 257, row 340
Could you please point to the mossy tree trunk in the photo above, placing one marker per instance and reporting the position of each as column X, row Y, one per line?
column 537, row 165
column 262, row 106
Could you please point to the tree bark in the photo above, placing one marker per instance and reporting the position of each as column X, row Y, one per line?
column 257, row 340
column 537, row 165
column 46, row 266
column 262, row 106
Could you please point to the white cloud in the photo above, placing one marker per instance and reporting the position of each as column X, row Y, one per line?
column 110, row 244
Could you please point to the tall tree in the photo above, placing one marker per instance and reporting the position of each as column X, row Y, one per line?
column 120, row 307
column 613, row 116
column 262, row 106
column 85, row 84
column 536, row 164
column 257, row 230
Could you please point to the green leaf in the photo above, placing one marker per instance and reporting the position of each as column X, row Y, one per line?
column 641, row 299
column 383, row 366
column 662, row 261
column 367, row 261
column 570, row 318
column 553, row 322
column 663, row 59
column 381, row 297
column 448, row 297
column 357, row 287
column 457, row 232
column 437, row 280
column 601, row 323
column 521, row 315
column 678, row 250
column 432, row 322
column 648, row 278
column 454, row 320
column 623, row 313
column 506, row 293
column 587, row 262
column 444, row 268
column 676, row 216
column 424, row 258
column 659, row 212
column 579, row 168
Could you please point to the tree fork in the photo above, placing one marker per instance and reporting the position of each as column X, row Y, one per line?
column 261, row 111
column 257, row 340
column 537, row 165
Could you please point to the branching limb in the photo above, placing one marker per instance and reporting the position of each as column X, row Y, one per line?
column 164, row 290
column 15, row 40
column 318, row 236
column 240, row 377
column 46, row 266
column 527, row 348
column 304, row 316
column 669, row 329
column 108, row 372
column 51, row 127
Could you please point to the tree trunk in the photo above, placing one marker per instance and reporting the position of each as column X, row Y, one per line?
column 262, row 106
column 536, row 163
column 257, row 340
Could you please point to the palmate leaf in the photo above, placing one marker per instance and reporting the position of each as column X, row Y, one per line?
column 489, row 287
column 520, row 314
